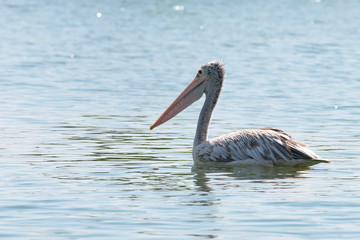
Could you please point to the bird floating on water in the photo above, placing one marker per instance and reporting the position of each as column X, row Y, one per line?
column 264, row 147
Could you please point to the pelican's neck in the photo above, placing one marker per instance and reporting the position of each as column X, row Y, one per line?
column 205, row 115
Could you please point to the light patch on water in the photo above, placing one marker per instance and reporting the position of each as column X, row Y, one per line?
column 98, row 14
column 179, row 8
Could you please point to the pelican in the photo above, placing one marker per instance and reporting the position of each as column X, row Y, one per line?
column 264, row 147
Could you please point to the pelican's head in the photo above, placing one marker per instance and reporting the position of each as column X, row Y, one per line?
column 213, row 75
column 213, row 69
column 207, row 76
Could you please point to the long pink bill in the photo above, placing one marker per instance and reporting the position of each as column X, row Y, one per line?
column 192, row 93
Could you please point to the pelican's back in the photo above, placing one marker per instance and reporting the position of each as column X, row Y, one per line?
column 266, row 146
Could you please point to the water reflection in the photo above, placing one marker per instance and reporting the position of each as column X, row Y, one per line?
column 203, row 175
column 253, row 172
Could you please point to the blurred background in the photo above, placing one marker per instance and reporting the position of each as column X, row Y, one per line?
column 82, row 81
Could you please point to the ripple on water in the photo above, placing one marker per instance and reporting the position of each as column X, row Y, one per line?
column 81, row 84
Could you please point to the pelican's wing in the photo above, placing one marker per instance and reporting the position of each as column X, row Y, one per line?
column 265, row 146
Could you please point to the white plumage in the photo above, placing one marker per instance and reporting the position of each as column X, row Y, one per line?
column 265, row 147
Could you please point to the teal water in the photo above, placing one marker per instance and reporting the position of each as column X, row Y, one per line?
column 82, row 81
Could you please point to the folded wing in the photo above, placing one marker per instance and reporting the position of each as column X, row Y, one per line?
column 267, row 146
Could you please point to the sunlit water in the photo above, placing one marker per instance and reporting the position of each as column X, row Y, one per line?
column 82, row 81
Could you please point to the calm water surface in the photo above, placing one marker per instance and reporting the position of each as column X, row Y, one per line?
column 82, row 81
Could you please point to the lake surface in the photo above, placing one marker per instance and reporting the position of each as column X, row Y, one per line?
column 82, row 81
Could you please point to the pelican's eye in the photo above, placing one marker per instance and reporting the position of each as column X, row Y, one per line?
column 200, row 72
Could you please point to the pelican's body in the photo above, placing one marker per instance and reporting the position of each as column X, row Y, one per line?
column 266, row 146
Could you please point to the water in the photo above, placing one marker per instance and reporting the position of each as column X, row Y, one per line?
column 82, row 81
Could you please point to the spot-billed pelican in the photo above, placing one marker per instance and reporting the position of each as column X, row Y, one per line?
column 265, row 146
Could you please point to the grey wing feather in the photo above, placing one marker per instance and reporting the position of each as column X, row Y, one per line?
column 262, row 145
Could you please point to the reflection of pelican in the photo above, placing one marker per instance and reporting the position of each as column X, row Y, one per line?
column 206, row 173
column 266, row 146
